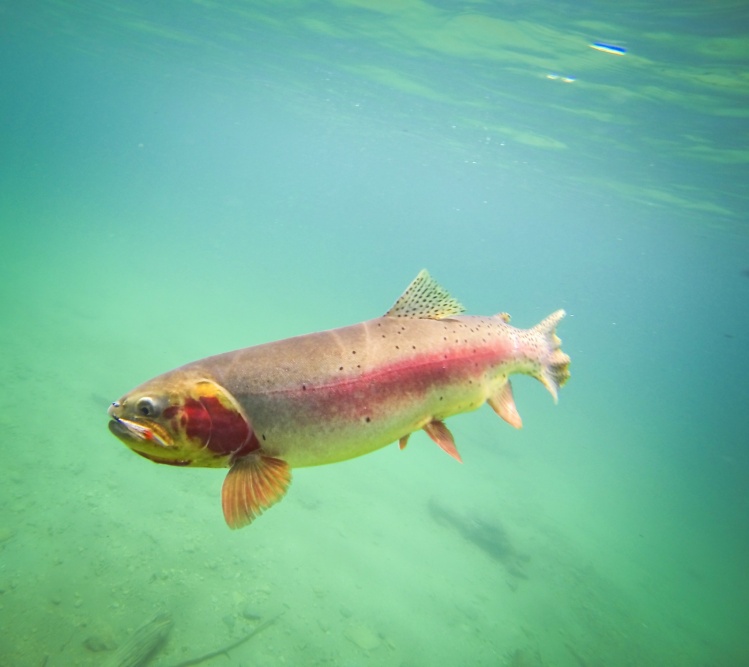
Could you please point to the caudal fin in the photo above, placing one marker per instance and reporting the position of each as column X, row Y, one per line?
column 554, row 370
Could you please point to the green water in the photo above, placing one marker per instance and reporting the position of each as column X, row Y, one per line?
column 179, row 179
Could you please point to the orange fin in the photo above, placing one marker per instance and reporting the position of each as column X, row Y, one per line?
column 438, row 432
column 253, row 484
column 503, row 403
column 403, row 441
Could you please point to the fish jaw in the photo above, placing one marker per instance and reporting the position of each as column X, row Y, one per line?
column 181, row 420
column 147, row 439
column 132, row 430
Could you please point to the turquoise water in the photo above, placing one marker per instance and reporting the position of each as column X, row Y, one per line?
column 180, row 179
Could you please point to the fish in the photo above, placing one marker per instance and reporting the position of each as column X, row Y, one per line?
column 333, row 395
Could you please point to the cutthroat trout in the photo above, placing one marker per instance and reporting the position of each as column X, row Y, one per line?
column 330, row 396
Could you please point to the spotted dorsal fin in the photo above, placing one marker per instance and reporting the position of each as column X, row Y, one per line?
column 426, row 300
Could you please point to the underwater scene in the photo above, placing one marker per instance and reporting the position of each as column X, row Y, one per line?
column 185, row 178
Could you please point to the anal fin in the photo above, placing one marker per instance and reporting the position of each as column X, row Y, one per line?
column 254, row 483
column 438, row 432
column 403, row 441
column 503, row 403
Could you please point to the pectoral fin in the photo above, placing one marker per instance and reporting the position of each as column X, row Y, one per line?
column 438, row 432
column 254, row 484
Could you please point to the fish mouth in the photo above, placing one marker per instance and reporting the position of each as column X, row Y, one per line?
column 146, row 441
column 134, row 434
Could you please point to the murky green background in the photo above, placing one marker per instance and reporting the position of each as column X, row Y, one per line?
column 179, row 179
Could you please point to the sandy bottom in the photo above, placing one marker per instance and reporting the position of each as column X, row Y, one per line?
column 398, row 558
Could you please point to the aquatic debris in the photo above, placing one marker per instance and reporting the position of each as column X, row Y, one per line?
column 144, row 644
column 524, row 657
column 225, row 649
column 608, row 48
column 559, row 77
column 99, row 643
column 364, row 637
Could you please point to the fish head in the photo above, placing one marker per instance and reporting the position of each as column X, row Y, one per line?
column 183, row 420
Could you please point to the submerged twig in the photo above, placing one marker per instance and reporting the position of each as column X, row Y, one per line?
column 225, row 650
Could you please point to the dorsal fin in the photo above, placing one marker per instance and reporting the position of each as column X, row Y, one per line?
column 426, row 300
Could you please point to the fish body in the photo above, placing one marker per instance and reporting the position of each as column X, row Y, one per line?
column 333, row 395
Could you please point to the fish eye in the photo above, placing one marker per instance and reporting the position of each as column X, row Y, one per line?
column 147, row 407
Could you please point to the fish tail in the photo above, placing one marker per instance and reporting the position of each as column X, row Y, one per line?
column 553, row 370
